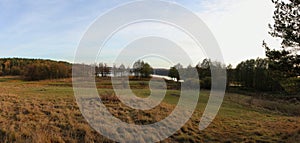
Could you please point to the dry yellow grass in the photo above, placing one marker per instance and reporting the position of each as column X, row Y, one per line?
column 46, row 111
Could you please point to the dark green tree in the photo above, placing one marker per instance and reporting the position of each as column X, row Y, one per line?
column 287, row 22
column 146, row 70
column 137, row 68
column 256, row 75
column 142, row 69
column 285, row 63
column 173, row 73
column 203, row 68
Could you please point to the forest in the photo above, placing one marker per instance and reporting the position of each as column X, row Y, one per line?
column 35, row 69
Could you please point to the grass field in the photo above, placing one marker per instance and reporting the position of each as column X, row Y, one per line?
column 46, row 111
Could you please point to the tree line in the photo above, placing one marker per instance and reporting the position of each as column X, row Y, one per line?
column 39, row 69
column 140, row 69
column 277, row 73
column 34, row 69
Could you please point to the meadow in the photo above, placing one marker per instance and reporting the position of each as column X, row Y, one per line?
column 46, row 111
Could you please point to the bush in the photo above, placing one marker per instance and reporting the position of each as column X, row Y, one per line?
column 205, row 83
column 192, row 83
column 292, row 85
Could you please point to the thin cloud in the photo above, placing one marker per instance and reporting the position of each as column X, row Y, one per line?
column 240, row 26
column 53, row 29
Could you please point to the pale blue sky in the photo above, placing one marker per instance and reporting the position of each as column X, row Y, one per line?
column 53, row 29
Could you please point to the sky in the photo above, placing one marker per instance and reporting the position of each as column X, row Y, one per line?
column 53, row 29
